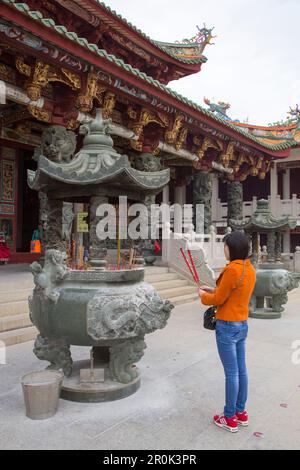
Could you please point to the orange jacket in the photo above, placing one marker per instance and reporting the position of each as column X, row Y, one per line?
column 232, row 303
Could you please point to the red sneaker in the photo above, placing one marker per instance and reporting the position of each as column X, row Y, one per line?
column 242, row 418
column 230, row 424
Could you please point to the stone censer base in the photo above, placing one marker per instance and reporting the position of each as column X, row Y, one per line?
column 108, row 390
column 273, row 282
column 108, row 311
column 265, row 314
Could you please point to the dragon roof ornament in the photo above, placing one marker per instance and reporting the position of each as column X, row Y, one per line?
column 202, row 38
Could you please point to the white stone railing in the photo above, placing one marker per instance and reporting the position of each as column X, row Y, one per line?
column 281, row 207
column 208, row 252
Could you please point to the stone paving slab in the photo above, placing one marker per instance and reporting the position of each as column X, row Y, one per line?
column 182, row 388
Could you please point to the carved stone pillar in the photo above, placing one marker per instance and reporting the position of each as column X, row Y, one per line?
column 278, row 247
column 149, row 201
column 234, row 201
column 202, row 194
column 54, row 225
column 271, row 240
column 255, row 246
column 43, row 216
column 97, row 247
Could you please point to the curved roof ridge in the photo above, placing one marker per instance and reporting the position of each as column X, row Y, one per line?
column 281, row 127
column 163, row 46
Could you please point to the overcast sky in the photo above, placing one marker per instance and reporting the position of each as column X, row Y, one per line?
column 254, row 64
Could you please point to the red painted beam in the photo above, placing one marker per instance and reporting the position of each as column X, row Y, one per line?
column 14, row 16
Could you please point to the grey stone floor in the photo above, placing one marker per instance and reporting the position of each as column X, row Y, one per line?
column 182, row 388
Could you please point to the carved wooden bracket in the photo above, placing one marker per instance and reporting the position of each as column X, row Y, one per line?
column 109, row 102
column 172, row 133
column 146, row 117
column 140, row 119
column 181, row 140
column 228, row 156
column 40, row 114
column 203, row 146
column 41, row 74
column 90, row 91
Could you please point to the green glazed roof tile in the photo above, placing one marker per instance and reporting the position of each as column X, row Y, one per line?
column 83, row 41
column 72, row 35
column 48, row 22
column 61, row 29
column 36, row 15
column 22, row 7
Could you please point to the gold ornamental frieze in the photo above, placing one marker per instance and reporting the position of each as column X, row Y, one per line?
column 207, row 143
column 7, row 74
column 109, row 102
column 92, row 90
column 40, row 114
column 41, row 74
column 181, row 138
column 146, row 117
column 172, row 133
column 228, row 156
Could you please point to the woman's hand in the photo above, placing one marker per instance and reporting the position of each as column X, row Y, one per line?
column 201, row 292
column 206, row 288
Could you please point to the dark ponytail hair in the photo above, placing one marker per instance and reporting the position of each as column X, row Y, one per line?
column 238, row 245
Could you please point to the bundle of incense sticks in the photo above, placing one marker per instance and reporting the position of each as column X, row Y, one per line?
column 192, row 267
column 131, row 256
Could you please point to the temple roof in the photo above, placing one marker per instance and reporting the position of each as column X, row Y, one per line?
column 82, row 42
column 189, row 51
column 287, row 134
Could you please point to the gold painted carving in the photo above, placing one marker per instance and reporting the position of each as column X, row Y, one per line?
column 72, row 124
column 93, row 90
column 6, row 73
column 132, row 113
column 41, row 74
column 109, row 103
column 181, row 138
column 206, row 144
column 136, row 145
column 39, row 114
column 226, row 157
column 22, row 67
column 146, row 117
column 172, row 134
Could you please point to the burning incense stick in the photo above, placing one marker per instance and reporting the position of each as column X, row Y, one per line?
column 194, row 267
column 131, row 253
column 188, row 265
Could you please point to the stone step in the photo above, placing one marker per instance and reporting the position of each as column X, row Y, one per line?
column 12, row 296
column 160, row 277
column 179, row 291
column 19, row 307
column 16, row 284
column 20, row 335
column 183, row 299
column 159, row 285
column 14, row 322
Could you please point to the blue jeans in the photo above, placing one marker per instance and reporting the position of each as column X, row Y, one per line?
column 231, row 342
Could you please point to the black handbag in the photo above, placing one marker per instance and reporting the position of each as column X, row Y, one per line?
column 209, row 319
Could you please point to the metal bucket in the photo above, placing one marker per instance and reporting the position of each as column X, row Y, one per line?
column 41, row 390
